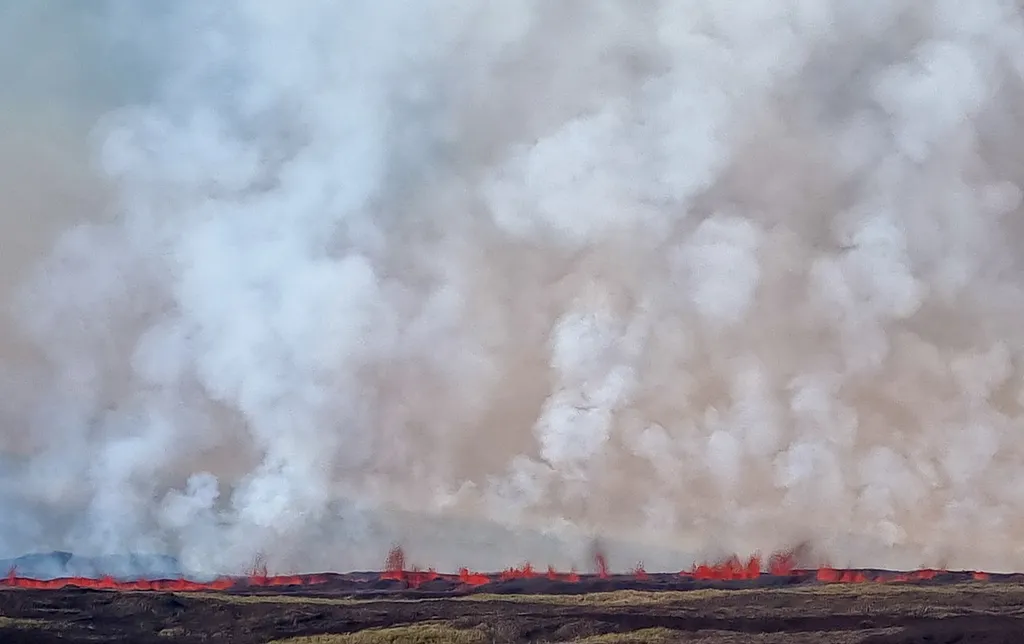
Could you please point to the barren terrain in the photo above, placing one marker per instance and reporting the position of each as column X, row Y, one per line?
column 718, row 612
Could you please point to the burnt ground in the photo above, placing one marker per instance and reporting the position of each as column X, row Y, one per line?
column 933, row 611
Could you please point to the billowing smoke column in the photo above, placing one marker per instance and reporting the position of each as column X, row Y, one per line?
column 692, row 276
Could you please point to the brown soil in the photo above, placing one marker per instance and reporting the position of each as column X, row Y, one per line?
column 876, row 613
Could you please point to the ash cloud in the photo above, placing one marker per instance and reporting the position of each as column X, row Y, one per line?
column 500, row 277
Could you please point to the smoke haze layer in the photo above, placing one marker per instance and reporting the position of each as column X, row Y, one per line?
column 306, row 278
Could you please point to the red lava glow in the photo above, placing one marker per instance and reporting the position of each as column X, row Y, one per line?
column 730, row 569
column 639, row 573
column 396, row 568
column 780, row 564
column 601, row 563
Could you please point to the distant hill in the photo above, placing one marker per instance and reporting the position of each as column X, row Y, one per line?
column 65, row 564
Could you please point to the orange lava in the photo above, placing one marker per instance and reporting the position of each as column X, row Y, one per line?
column 730, row 569
column 472, row 578
column 601, row 562
column 256, row 578
column 782, row 564
column 640, row 573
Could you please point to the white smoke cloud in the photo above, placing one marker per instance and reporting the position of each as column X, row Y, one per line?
column 686, row 276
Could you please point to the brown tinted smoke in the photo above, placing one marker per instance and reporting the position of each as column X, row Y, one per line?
column 692, row 279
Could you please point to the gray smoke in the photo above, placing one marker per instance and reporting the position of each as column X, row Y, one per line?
column 494, row 278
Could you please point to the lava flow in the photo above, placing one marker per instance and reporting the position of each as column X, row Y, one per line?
column 778, row 569
column 256, row 578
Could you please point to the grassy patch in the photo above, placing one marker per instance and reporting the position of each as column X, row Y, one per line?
column 426, row 633
column 665, row 636
column 611, row 598
column 850, row 591
column 894, row 588
column 642, row 636
column 285, row 599
column 18, row 622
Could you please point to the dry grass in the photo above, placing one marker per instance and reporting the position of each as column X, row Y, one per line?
column 666, row 636
column 893, row 588
column 286, row 599
column 612, row 598
column 425, row 633
column 931, row 594
column 18, row 622
column 642, row 636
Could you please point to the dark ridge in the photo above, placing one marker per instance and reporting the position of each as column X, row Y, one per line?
column 51, row 565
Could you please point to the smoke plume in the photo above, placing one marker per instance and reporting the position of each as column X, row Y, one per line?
column 496, row 278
